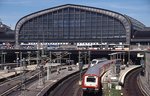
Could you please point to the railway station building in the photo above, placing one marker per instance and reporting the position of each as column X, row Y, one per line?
column 74, row 24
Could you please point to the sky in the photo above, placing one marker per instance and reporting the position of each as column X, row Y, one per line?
column 12, row 10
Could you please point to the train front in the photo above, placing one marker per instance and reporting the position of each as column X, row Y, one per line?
column 90, row 83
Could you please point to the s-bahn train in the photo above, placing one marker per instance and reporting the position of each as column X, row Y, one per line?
column 91, row 81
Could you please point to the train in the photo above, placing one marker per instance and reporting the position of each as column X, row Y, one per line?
column 96, row 61
column 91, row 80
column 54, row 67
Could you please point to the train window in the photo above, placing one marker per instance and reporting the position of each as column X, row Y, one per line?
column 100, row 61
column 91, row 79
column 93, row 62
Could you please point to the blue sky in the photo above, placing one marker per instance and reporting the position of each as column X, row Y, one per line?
column 12, row 10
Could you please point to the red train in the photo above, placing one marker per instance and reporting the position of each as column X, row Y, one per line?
column 91, row 81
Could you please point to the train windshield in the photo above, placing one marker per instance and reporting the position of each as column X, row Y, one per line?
column 91, row 79
column 93, row 62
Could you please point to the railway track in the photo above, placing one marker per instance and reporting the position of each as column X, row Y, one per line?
column 69, row 87
column 14, row 84
column 131, row 87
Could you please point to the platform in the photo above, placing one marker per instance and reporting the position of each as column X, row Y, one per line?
column 8, row 73
column 112, row 81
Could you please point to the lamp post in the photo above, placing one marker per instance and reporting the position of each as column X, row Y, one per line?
column 69, row 59
column 48, row 66
column 37, row 59
column 29, row 57
column 4, row 56
column 1, row 58
column 20, row 59
column 128, row 56
column 89, row 55
column 80, row 67
column 123, row 58
column 23, row 76
column 1, row 61
column 17, row 58
column 85, row 56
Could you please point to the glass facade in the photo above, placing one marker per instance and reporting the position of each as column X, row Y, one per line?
column 71, row 24
column 137, row 27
